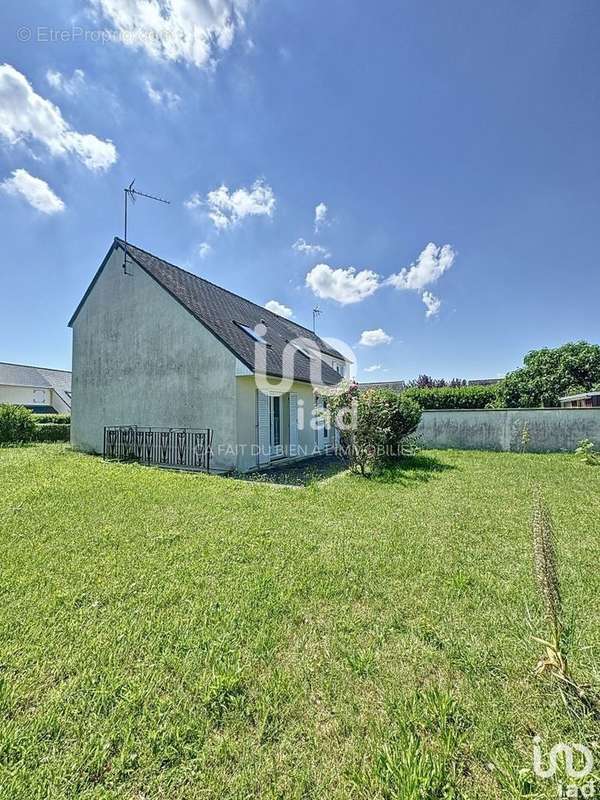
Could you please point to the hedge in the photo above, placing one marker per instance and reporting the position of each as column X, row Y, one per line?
column 16, row 424
column 51, row 419
column 449, row 397
column 52, row 433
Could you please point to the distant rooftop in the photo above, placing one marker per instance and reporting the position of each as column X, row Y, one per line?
column 483, row 381
column 395, row 386
column 38, row 378
column 582, row 396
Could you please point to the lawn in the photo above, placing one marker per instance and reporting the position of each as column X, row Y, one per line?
column 166, row 635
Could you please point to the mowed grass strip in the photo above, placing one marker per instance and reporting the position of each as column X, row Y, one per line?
column 166, row 635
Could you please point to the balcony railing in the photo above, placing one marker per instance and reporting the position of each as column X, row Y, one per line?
column 175, row 448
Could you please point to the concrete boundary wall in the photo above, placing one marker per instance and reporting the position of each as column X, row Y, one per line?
column 549, row 429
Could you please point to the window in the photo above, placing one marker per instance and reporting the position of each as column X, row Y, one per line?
column 252, row 333
column 302, row 350
column 275, row 421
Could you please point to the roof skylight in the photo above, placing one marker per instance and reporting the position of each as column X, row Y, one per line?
column 254, row 333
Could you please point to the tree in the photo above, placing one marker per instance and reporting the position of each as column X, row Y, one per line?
column 427, row 382
column 549, row 374
column 372, row 425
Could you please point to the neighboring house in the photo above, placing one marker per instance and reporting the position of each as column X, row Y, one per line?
column 584, row 400
column 45, row 391
column 393, row 386
column 157, row 346
column 484, row 381
column 400, row 386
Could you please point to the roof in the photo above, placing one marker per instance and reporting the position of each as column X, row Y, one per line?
column 394, row 386
column 581, row 396
column 484, row 381
column 37, row 377
column 224, row 313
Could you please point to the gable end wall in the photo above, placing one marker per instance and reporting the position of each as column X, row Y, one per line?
column 140, row 358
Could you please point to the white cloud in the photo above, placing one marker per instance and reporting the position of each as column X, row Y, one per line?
column 279, row 308
column 375, row 337
column 28, row 116
column 300, row 246
column 228, row 208
column 204, row 249
column 36, row 191
column 431, row 264
column 162, row 97
column 344, row 285
column 193, row 201
column 432, row 303
column 373, row 368
column 191, row 31
column 320, row 217
column 61, row 83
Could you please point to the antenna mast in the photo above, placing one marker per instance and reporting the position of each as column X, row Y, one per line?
column 130, row 194
column 316, row 313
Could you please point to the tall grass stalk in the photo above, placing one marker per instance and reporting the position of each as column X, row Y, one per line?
column 554, row 661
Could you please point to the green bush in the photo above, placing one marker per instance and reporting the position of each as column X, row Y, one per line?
column 373, row 425
column 52, row 419
column 449, row 397
column 16, row 425
column 52, row 433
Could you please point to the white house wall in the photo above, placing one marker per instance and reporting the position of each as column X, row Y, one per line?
column 139, row 358
column 26, row 396
column 247, row 419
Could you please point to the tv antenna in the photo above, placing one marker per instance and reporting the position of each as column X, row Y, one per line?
column 316, row 313
column 131, row 194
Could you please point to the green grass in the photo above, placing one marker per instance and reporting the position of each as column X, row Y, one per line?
column 165, row 635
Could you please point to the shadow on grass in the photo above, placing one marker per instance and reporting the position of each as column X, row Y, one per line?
column 413, row 469
column 300, row 473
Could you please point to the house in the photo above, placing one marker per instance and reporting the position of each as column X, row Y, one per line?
column 42, row 390
column 155, row 346
column 483, row 381
column 393, row 386
column 583, row 400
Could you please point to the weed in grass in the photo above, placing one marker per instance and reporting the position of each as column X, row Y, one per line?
column 516, row 781
column 362, row 662
column 430, row 636
column 587, row 450
column 463, row 583
column 554, row 661
column 422, row 753
column 226, row 693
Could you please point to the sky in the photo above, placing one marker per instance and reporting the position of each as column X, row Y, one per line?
column 427, row 173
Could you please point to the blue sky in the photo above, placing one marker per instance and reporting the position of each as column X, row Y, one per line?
column 471, row 126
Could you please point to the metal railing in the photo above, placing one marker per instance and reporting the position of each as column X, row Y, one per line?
column 177, row 448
